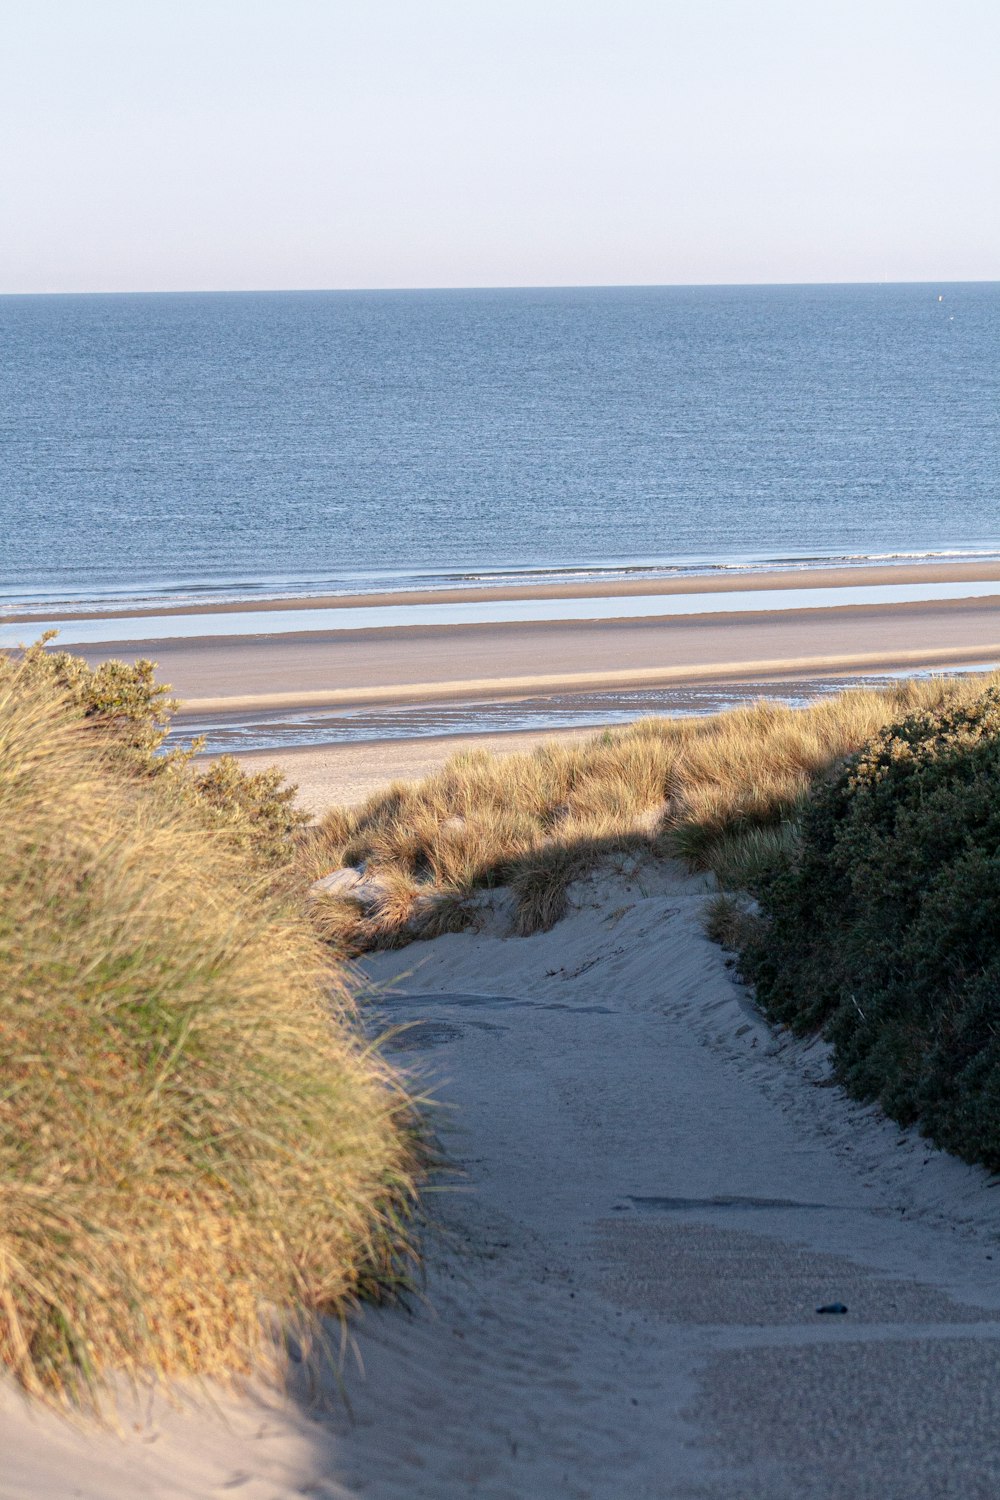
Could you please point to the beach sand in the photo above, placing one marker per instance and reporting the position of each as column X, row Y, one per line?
column 420, row 667
column 344, row 775
column 652, row 1195
column 409, row 664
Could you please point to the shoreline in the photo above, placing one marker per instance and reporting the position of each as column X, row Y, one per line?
column 839, row 576
column 247, row 673
column 556, row 664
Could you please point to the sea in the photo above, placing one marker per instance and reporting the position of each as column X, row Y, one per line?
column 181, row 448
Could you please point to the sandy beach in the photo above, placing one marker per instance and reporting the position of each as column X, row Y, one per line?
column 401, row 664
column 232, row 679
column 345, row 775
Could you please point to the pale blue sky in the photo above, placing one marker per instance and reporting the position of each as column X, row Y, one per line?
column 168, row 144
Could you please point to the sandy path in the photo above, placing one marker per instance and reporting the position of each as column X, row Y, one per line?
column 657, row 1194
column 665, row 1199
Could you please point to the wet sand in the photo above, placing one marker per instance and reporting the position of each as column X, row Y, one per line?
column 477, row 660
column 727, row 581
column 435, row 666
column 233, row 678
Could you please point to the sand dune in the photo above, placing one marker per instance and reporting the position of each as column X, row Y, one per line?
column 654, row 1195
column 653, row 1192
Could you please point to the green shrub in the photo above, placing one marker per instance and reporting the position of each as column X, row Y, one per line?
column 255, row 812
column 884, row 927
column 123, row 702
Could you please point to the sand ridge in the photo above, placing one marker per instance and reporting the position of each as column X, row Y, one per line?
column 392, row 664
column 500, row 688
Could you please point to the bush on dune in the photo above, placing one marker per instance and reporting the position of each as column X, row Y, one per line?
column 123, row 702
column 193, row 1137
column 884, row 928
column 130, row 711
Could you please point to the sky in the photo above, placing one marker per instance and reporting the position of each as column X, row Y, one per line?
column 248, row 144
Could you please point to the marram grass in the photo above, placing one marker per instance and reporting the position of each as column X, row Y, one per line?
column 193, row 1138
column 723, row 793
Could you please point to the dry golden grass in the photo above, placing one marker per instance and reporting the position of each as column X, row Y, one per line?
column 721, row 793
column 193, row 1135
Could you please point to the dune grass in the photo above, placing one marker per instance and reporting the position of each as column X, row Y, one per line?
column 130, row 712
column 194, row 1139
column 723, row 793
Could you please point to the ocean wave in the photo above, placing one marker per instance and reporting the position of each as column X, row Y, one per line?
column 172, row 594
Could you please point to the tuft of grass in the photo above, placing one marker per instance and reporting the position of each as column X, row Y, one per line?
column 447, row 910
column 723, row 793
column 541, row 882
column 193, row 1135
column 746, row 859
column 729, row 923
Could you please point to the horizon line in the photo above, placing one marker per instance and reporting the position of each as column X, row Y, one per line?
column 555, row 286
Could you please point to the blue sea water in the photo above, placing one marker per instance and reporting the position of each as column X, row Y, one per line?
column 255, row 445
